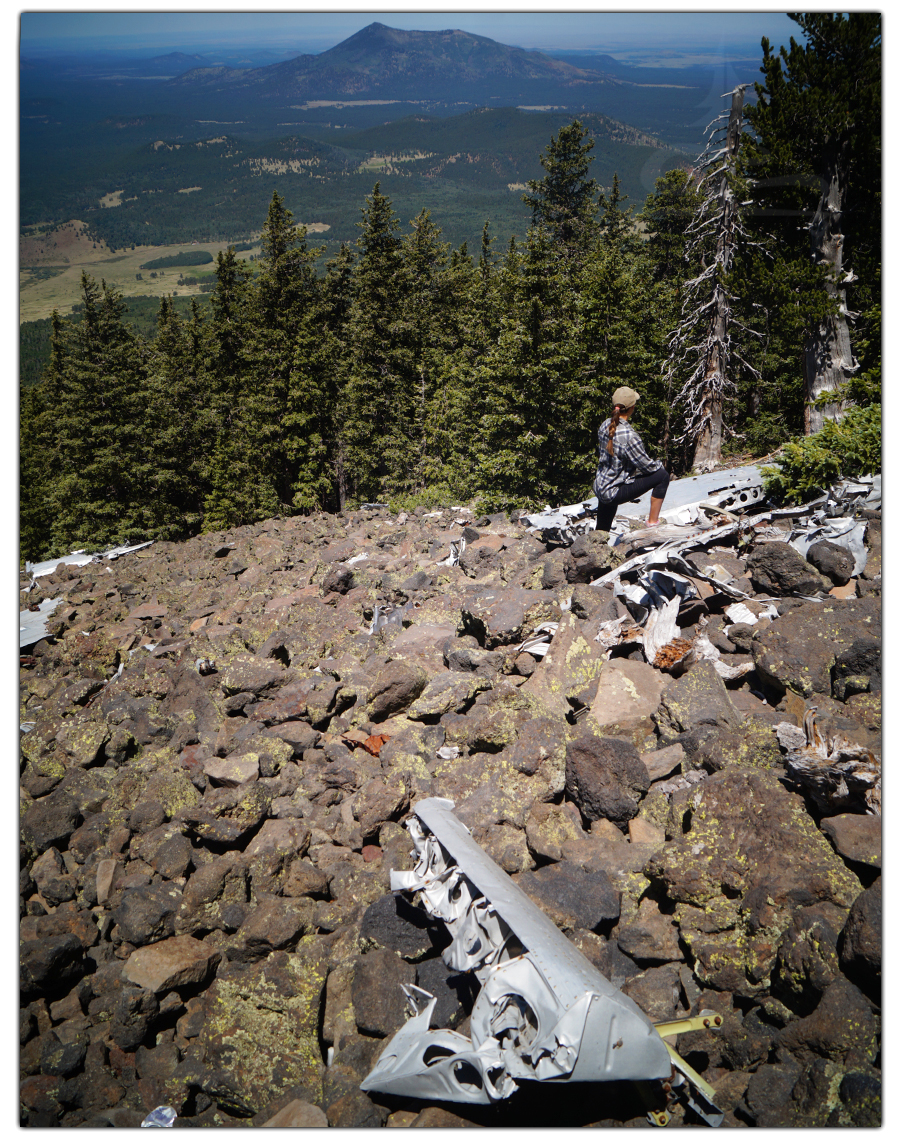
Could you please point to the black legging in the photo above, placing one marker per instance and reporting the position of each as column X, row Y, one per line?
column 657, row 482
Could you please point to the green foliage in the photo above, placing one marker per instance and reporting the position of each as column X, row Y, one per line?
column 428, row 498
column 402, row 369
column 667, row 213
column 564, row 201
column 182, row 259
column 845, row 449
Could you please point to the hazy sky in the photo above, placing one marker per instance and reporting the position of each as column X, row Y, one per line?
column 578, row 26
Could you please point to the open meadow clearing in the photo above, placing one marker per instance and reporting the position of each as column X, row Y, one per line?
column 50, row 277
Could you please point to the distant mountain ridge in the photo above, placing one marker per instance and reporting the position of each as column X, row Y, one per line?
column 379, row 61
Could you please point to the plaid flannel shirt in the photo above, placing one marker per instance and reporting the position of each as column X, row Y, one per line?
column 627, row 461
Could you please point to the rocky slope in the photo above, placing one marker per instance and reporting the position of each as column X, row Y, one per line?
column 222, row 738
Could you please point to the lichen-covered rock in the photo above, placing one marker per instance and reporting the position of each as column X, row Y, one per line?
column 508, row 617
column 735, row 894
column 843, row 1028
column 260, row 1030
column 798, row 650
column 589, row 557
column 395, row 688
column 379, row 1002
column 698, row 699
column 228, row 815
column 446, row 692
column 834, row 561
column 570, row 896
column 628, row 694
column 145, row 915
column 571, row 665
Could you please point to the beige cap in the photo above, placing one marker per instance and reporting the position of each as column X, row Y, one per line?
column 625, row 397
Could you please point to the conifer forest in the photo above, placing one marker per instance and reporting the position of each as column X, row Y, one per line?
column 741, row 300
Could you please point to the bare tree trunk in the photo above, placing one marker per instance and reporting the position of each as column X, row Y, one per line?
column 828, row 356
column 340, row 474
column 708, row 447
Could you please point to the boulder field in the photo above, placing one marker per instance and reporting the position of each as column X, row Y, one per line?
column 220, row 742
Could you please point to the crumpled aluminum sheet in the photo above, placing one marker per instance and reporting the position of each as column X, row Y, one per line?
column 846, row 532
column 564, row 523
column 544, row 1012
column 160, row 1117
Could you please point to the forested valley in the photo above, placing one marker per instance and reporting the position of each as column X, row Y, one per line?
column 417, row 373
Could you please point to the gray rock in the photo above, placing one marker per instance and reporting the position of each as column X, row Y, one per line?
column 379, row 1001
column 392, row 922
column 146, row 915
column 50, row 821
column 798, row 650
column 777, row 568
column 735, row 894
column 606, row 778
column 571, row 896
column 589, row 557
column 860, row 941
column 395, row 688
column 507, row 616
column 136, row 1010
column 269, row 927
column 843, row 1028
column 699, row 698
column 834, row 561
column 657, row 991
column 49, row 964
column 855, row 837
column 146, row 815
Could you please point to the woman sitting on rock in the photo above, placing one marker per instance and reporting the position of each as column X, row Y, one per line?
column 625, row 470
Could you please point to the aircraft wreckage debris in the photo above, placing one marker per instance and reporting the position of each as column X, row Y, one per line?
column 544, row 1012
column 667, row 742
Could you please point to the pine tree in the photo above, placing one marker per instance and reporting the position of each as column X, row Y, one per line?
column 378, row 407
column 234, row 491
column 318, row 378
column 281, row 305
column 626, row 314
column 667, row 213
column 180, row 432
column 563, row 201
column 817, row 123
column 530, row 431
column 98, row 426
column 39, row 449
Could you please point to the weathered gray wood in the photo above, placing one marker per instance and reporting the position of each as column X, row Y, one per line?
column 828, row 360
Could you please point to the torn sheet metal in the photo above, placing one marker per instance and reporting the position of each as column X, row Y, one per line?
column 543, row 1013
column 385, row 616
column 82, row 558
column 661, row 629
column 563, row 524
column 732, row 499
column 457, row 549
column 33, row 622
column 702, row 649
column 846, row 532
column 537, row 645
